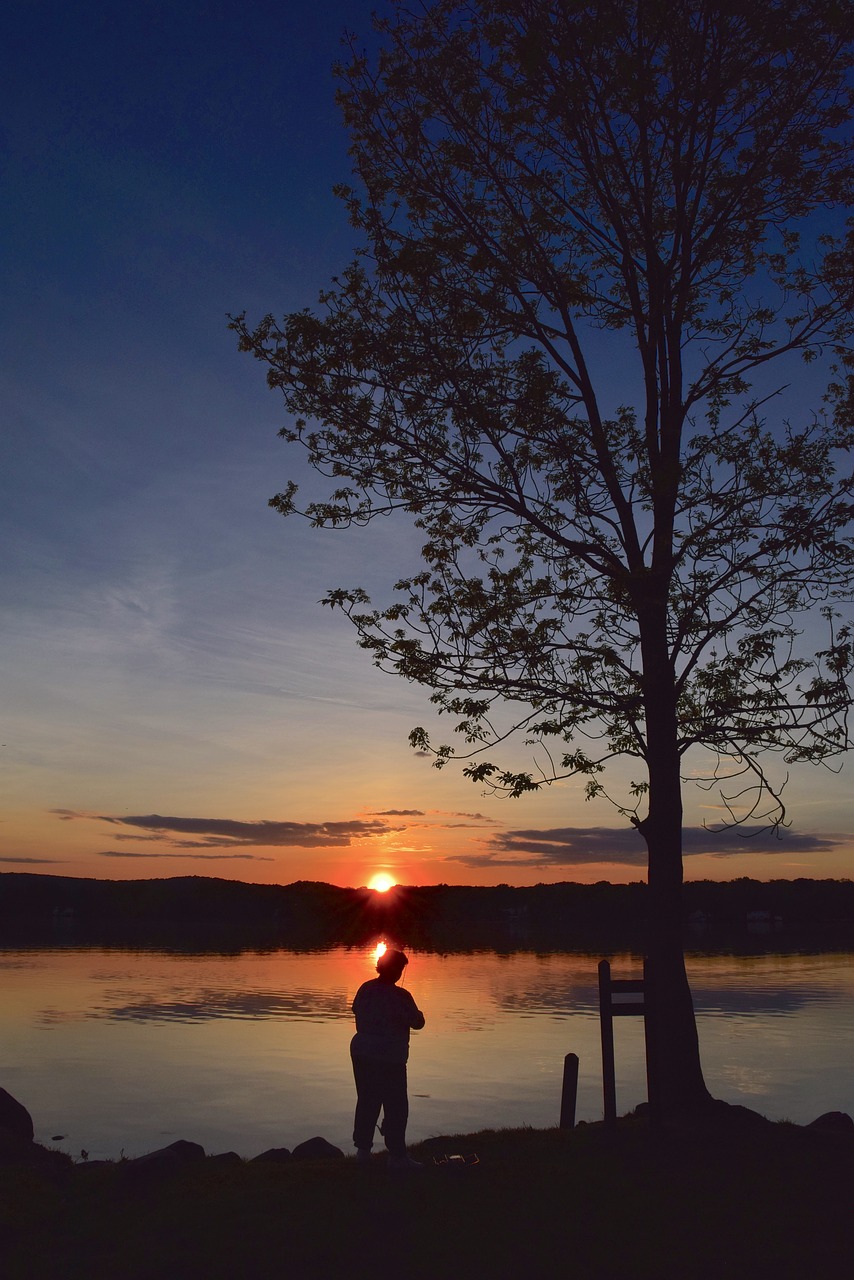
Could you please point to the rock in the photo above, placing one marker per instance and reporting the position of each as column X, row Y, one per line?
column 15, row 1119
column 276, row 1155
column 733, row 1115
column 164, row 1161
column 317, row 1149
column 836, row 1121
column 225, row 1157
column 55, row 1166
column 182, row 1151
column 31, row 1155
column 14, row 1149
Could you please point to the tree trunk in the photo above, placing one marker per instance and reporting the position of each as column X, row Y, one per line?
column 676, row 1076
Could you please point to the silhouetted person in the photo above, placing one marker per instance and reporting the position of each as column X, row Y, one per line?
column 384, row 1013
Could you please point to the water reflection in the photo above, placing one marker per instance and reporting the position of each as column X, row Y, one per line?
column 119, row 1049
column 207, row 1005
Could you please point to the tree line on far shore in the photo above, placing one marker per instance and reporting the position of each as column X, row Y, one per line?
column 200, row 911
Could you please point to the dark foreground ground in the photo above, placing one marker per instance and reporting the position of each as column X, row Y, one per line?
column 724, row 1201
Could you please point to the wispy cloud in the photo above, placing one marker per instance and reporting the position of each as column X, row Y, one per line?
column 398, row 813
column 470, row 820
column 138, row 839
column 204, row 857
column 431, row 816
column 476, row 817
column 578, row 846
column 33, row 860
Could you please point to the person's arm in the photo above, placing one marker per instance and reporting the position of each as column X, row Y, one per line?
column 416, row 1017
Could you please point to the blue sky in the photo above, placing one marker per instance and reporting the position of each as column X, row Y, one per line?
column 163, row 654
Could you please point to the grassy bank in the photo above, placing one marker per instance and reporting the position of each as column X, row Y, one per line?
column 692, row 1205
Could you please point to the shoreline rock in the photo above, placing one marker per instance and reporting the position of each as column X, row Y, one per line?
column 15, row 1119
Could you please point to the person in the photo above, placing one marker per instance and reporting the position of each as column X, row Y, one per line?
column 385, row 1013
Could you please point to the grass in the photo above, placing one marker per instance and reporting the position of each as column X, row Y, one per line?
column 633, row 1205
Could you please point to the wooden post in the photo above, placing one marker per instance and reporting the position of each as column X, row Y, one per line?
column 608, row 1010
column 606, row 1027
column 649, row 1041
column 569, row 1093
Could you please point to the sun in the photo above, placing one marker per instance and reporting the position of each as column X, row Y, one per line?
column 381, row 882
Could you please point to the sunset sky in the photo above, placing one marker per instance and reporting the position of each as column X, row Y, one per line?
column 174, row 699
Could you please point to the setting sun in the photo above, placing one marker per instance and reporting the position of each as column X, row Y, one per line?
column 381, row 882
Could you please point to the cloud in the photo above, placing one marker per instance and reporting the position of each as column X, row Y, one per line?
column 727, row 843
column 127, row 835
column 206, row 857
column 33, row 860
column 398, row 813
column 473, row 819
column 560, row 846
column 224, row 833
column 477, row 817
column 578, row 846
column 457, row 826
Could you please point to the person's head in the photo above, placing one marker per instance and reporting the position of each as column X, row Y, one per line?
column 391, row 965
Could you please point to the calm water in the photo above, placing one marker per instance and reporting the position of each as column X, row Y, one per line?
column 128, row 1050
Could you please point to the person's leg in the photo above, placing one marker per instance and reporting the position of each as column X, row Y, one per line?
column 369, row 1099
column 395, row 1108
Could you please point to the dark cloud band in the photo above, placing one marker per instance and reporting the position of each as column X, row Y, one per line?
column 399, row 813
column 578, row 846
column 34, row 861
column 204, row 857
column 229, row 832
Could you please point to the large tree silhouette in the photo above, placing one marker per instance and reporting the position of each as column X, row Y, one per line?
column 592, row 232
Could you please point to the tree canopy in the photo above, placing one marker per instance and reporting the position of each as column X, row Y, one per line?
column 534, row 175
column 598, row 239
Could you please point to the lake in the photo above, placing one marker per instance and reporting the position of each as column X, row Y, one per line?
column 120, row 1051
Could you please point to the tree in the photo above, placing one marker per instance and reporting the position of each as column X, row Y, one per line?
column 591, row 231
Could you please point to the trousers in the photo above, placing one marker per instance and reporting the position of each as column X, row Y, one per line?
column 380, row 1086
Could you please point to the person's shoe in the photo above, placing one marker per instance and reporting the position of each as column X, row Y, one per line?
column 404, row 1164
column 363, row 1155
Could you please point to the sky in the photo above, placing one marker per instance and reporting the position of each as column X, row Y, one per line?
column 173, row 698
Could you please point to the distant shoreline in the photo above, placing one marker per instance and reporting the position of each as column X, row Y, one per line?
column 191, row 911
